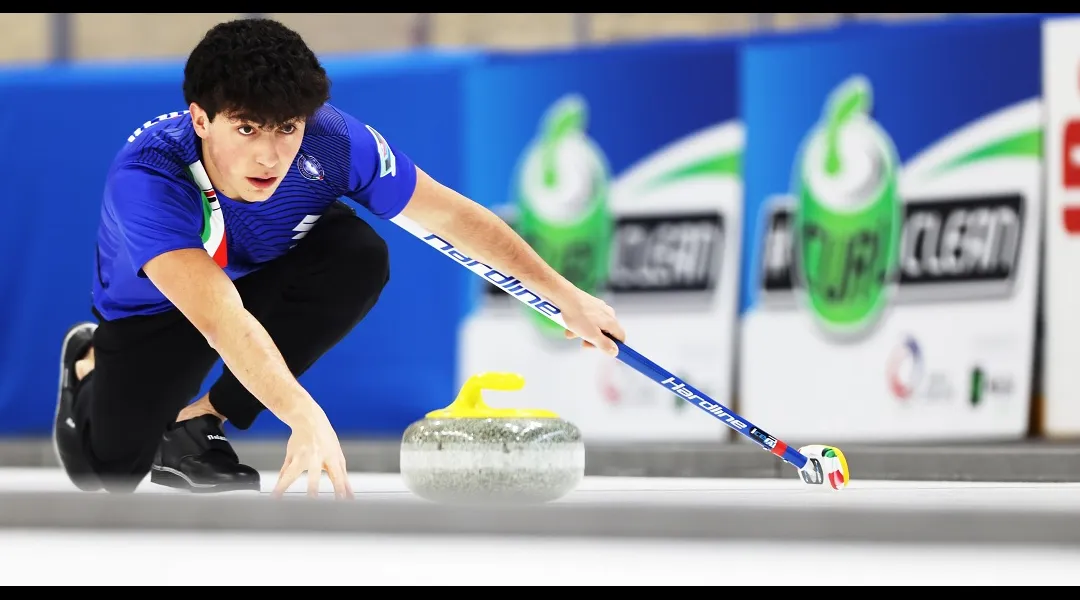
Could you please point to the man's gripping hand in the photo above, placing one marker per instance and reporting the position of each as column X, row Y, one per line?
column 589, row 318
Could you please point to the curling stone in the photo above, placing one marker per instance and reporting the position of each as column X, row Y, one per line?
column 470, row 453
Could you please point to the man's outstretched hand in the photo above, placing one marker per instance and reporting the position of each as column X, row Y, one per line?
column 588, row 318
column 314, row 447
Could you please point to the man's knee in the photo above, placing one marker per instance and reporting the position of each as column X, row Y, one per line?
column 362, row 257
column 121, row 484
column 124, row 472
column 122, row 465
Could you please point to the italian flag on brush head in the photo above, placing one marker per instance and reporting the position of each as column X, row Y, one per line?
column 213, row 232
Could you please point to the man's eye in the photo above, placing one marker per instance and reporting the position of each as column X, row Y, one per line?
column 246, row 129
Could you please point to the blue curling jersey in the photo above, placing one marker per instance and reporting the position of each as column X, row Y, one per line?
column 158, row 198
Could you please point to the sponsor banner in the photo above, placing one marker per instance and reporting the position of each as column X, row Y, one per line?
column 1061, row 336
column 894, row 202
column 622, row 170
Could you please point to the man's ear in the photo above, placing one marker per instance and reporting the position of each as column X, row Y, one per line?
column 199, row 120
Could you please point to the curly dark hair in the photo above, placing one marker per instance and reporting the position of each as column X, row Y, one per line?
column 256, row 70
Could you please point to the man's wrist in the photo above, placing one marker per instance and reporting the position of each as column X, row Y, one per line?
column 301, row 413
column 562, row 292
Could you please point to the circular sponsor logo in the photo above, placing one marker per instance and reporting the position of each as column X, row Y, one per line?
column 904, row 370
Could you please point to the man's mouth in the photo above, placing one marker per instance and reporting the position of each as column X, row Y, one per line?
column 261, row 182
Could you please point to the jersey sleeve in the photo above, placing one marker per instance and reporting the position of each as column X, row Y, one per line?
column 155, row 212
column 381, row 177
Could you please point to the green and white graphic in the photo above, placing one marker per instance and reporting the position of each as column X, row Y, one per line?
column 849, row 213
column 562, row 200
column 658, row 240
column 891, row 291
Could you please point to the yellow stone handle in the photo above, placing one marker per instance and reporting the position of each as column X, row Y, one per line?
column 470, row 402
column 470, row 396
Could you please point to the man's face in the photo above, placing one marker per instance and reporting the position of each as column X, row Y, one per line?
column 245, row 160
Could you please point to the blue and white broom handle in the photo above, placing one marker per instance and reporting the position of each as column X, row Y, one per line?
column 515, row 288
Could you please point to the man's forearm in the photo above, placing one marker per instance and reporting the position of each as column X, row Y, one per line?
column 482, row 235
column 249, row 352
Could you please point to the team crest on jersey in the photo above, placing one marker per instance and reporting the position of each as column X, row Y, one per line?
column 387, row 161
column 309, row 167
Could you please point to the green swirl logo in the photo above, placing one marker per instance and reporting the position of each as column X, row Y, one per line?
column 849, row 216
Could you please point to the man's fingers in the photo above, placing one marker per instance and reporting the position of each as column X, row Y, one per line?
column 339, row 476
column 346, row 483
column 314, row 477
column 602, row 342
column 609, row 347
column 288, row 475
column 597, row 338
column 615, row 328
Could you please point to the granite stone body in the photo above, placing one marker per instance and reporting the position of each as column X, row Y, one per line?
column 471, row 453
column 492, row 460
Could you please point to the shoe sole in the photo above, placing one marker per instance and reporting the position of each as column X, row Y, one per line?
column 60, row 384
column 175, row 479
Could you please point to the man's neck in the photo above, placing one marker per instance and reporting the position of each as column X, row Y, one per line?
column 212, row 172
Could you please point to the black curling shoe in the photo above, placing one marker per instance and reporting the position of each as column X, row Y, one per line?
column 196, row 456
column 67, row 443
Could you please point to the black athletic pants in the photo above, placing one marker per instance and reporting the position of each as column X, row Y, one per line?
column 148, row 368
